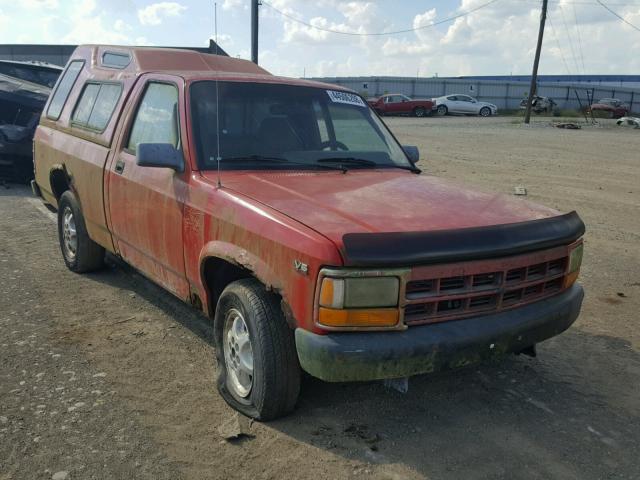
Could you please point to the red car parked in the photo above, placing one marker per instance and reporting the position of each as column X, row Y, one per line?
column 612, row 107
column 397, row 104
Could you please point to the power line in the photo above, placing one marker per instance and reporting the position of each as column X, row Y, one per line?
column 379, row 34
column 621, row 18
column 575, row 17
column 555, row 36
column 566, row 28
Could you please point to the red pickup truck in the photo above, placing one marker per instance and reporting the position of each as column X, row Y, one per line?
column 288, row 213
column 397, row 104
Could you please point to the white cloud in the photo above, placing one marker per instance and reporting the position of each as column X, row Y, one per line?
column 121, row 26
column 235, row 4
column 90, row 26
column 224, row 40
column 40, row 4
column 93, row 30
column 153, row 14
column 497, row 39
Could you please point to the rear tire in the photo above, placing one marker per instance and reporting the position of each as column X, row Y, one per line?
column 442, row 110
column 258, row 369
column 80, row 253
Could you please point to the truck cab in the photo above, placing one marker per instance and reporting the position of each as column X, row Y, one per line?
column 287, row 212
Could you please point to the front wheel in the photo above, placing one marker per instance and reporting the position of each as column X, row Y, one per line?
column 442, row 110
column 485, row 112
column 258, row 369
column 419, row 112
column 80, row 253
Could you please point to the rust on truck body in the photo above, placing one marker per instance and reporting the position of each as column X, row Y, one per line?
column 283, row 227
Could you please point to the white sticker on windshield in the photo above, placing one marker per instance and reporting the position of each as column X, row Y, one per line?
column 346, row 97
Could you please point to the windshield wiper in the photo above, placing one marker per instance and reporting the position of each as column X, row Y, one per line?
column 365, row 163
column 280, row 160
column 349, row 160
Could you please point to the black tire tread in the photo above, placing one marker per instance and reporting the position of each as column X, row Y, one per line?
column 90, row 255
column 280, row 361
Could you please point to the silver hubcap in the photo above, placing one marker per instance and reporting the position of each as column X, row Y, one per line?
column 485, row 112
column 238, row 354
column 69, row 236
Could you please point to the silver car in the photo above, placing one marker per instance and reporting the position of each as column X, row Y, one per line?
column 465, row 104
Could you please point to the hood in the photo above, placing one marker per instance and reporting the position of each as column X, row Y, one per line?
column 361, row 201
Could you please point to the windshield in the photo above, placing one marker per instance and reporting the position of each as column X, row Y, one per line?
column 275, row 126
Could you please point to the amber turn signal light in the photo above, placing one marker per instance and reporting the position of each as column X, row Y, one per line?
column 378, row 317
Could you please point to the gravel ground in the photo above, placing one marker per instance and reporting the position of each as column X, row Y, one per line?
column 107, row 376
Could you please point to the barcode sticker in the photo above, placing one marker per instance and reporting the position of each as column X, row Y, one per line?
column 346, row 97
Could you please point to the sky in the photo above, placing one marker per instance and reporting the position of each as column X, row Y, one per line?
column 497, row 39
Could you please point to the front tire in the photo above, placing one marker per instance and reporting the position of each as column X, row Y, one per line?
column 442, row 110
column 485, row 112
column 258, row 369
column 80, row 253
column 419, row 112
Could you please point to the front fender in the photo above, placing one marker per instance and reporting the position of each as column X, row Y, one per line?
column 242, row 258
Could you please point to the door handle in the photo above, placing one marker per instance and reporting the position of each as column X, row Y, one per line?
column 119, row 166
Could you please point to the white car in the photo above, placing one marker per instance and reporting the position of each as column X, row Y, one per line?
column 464, row 104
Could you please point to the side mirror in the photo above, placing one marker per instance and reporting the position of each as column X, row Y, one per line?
column 412, row 153
column 160, row 155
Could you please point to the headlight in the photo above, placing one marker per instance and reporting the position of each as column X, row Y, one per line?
column 359, row 301
column 575, row 261
column 359, row 292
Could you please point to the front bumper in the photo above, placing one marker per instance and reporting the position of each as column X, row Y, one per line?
column 343, row 357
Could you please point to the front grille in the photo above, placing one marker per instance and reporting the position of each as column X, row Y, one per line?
column 485, row 290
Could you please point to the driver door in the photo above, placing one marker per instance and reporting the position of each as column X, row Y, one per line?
column 394, row 104
column 146, row 203
column 466, row 104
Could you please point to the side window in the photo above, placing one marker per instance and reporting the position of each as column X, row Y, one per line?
column 157, row 117
column 64, row 88
column 115, row 60
column 96, row 105
column 453, row 98
column 347, row 124
column 105, row 105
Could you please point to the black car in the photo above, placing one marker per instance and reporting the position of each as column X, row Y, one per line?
column 21, row 102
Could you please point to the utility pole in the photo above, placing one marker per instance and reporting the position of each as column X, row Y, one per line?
column 534, row 75
column 254, row 30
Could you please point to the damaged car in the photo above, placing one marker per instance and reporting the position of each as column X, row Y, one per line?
column 610, row 107
column 21, row 103
column 287, row 212
column 540, row 104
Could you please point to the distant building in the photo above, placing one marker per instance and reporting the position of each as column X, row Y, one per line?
column 59, row 54
column 631, row 81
